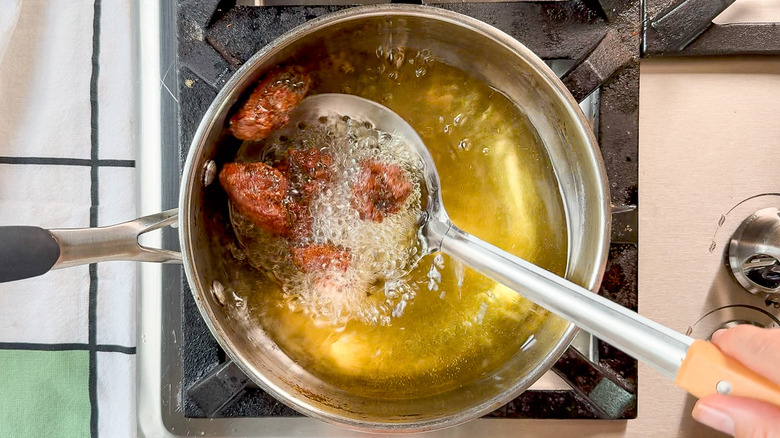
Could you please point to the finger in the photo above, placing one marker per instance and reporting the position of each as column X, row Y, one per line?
column 757, row 348
column 738, row 416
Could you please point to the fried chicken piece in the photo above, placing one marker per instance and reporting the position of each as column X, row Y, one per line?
column 380, row 189
column 318, row 258
column 308, row 171
column 270, row 104
column 257, row 190
column 311, row 162
column 300, row 230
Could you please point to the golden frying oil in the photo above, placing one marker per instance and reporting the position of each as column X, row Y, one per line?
column 497, row 183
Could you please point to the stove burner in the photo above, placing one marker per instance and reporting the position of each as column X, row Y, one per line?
column 729, row 316
column 754, row 253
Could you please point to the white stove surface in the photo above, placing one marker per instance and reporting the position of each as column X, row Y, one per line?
column 709, row 138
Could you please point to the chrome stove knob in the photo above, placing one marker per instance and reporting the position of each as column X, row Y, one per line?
column 754, row 253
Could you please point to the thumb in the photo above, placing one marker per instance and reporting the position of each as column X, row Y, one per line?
column 756, row 348
column 738, row 416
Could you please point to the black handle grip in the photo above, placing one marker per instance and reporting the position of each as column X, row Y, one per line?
column 26, row 252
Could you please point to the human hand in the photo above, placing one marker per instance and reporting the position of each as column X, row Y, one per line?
column 759, row 350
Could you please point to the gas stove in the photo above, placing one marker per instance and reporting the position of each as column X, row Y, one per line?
column 186, row 385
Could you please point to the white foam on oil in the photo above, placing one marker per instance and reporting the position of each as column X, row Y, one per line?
column 373, row 289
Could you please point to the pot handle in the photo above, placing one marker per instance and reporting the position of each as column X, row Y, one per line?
column 31, row 251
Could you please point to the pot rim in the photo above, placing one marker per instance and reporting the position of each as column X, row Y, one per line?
column 191, row 176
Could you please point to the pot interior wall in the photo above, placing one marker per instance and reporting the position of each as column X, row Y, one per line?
column 486, row 54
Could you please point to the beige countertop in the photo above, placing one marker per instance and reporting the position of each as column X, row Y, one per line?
column 709, row 137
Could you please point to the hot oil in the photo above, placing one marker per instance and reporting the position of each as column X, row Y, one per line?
column 497, row 183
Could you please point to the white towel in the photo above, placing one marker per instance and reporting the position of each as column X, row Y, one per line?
column 68, row 123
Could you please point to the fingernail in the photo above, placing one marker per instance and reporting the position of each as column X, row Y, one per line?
column 717, row 334
column 713, row 418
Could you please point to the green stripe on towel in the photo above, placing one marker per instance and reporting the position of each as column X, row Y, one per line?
column 44, row 393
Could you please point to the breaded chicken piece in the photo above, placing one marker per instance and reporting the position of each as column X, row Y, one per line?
column 319, row 258
column 257, row 191
column 270, row 104
column 381, row 189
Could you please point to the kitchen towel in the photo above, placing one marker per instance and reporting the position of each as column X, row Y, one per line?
column 68, row 123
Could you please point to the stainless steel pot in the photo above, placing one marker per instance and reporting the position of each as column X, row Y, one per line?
column 488, row 54
column 206, row 237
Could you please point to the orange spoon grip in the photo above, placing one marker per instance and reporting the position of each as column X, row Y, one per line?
column 707, row 370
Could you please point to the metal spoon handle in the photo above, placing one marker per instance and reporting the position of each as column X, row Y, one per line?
column 656, row 345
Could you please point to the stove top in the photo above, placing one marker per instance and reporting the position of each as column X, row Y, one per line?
column 596, row 47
